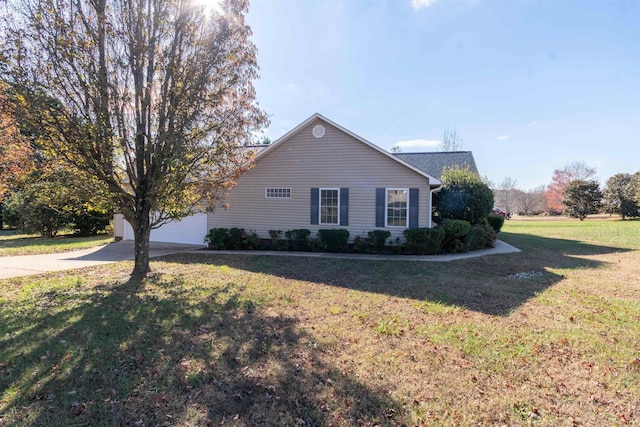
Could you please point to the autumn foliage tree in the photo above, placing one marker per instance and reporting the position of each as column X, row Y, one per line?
column 560, row 181
column 153, row 98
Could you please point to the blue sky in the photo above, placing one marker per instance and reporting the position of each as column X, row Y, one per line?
column 530, row 85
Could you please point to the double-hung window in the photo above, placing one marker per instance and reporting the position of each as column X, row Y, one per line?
column 397, row 207
column 330, row 206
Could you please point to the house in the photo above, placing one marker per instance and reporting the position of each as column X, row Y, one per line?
column 321, row 175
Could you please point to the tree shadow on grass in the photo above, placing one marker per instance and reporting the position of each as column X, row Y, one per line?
column 487, row 284
column 162, row 353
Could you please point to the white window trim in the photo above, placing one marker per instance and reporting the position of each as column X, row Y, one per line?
column 320, row 207
column 386, row 207
column 276, row 188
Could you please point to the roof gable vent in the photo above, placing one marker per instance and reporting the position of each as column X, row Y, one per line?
column 318, row 131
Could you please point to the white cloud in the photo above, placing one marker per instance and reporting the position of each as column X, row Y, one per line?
column 419, row 4
column 502, row 137
column 533, row 123
column 418, row 143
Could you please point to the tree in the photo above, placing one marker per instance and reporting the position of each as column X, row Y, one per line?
column 464, row 196
column 531, row 202
column 505, row 194
column 619, row 196
column 153, row 98
column 451, row 141
column 560, row 180
column 582, row 198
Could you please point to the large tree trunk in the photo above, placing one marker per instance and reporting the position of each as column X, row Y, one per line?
column 141, row 233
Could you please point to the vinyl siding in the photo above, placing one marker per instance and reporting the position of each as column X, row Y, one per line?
column 303, row 162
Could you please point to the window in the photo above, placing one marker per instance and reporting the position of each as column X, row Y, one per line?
column 277, row 193
column 397, row 207
column 329, row 206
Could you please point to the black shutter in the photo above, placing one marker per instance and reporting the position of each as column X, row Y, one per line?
column 344, row 206
column 414, row 204
column 380, row 196
column 315, row 205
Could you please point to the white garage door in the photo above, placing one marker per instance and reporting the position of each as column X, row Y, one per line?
column 191, row 230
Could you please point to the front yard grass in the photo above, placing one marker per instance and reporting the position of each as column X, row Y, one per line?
column 14, row 243
column 253, row 340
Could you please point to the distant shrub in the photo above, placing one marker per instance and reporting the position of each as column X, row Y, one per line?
column 496, row 222
column 334, row 240
column 297, row 239
column 217, row 238
column 455, row 238
column 481, row 236
column 377, row 239
column 424, row 241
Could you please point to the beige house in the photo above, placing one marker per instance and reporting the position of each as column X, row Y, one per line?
column 321, row 175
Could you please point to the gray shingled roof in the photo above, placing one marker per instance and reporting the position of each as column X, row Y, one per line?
column 434, row 163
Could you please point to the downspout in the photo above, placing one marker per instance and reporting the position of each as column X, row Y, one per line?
column 430, row 213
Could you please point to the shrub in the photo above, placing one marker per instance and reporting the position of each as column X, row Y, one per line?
column 334, row 240
column 424, row 241
column 237, row 237
column 217, row 238
column 277, row 241
column 496, row 222
column 360, row 245
column 481, row 236
column 464, row 196
column 378, row 239
column 297, row 239
column 90, row 222
column 455, row 237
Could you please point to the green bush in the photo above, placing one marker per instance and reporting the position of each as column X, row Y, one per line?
column 496, row 222
column 360, row 245
column 334, row 240
column 455, row 237
column 277, row 241
column 90, row 222
column 237, row 238
column 217, row 238
column 297, row 239
column 378, row 239
column 481, row 236
column 464, row 196
column 424, row 241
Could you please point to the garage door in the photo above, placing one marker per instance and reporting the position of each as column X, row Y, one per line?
column 191, row 230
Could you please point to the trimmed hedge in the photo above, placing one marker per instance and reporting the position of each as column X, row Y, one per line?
column 496, row 222
column 481, row 236
column 378, row 239
column 455, row 238
column 334, row 240
column 297, row 240
column 232, row 239
column 424, row 241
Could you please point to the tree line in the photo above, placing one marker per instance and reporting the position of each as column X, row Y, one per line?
column 574, row 192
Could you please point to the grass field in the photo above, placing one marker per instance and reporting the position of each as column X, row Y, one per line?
column 13, row 243
column 253, row 340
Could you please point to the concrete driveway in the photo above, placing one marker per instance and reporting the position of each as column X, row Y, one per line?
column 26, row 265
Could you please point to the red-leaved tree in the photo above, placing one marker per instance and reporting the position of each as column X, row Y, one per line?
column 561, row 179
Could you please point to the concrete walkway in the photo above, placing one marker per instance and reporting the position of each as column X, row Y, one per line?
column 26, row 265
column 500, row 248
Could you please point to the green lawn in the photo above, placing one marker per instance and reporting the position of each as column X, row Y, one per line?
column 255, row 340
column 13, row 243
